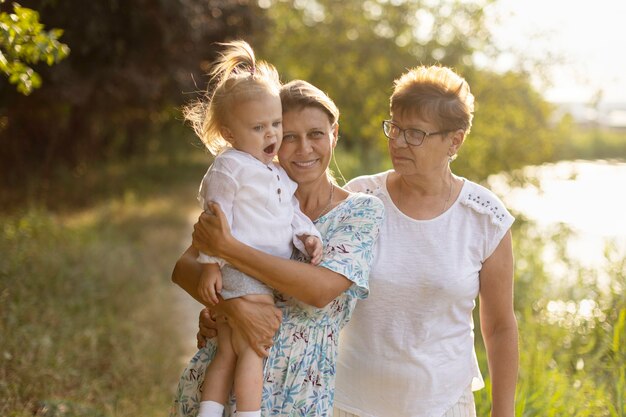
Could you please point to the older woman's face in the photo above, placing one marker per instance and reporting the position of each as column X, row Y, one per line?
column 308, row 141
column 432, row 154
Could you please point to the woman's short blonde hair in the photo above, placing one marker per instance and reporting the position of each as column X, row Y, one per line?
column 437, row 94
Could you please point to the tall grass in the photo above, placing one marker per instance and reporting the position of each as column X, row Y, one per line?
column 572, row 333
column 86, row 319
column 84, row 314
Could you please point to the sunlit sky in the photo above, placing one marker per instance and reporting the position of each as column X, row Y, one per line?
column 588, row 37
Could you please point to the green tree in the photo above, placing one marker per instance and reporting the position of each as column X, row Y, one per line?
column 513, row 126
column 354, row 49
column 132, row 65
column 24, row 42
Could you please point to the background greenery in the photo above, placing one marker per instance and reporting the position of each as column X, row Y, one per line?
column 98, row 172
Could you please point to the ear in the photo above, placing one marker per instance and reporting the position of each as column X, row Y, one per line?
column 458, row 136
column 335, row 133
column 227, row 134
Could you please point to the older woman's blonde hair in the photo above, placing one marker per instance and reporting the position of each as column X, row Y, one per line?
column 437, row 94
column 237, row 76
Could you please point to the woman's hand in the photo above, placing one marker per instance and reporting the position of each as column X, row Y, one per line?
column 207, row 328
column 211, row 233
column 258, row 322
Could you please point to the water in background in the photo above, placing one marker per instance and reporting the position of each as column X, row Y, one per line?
column 588, row 196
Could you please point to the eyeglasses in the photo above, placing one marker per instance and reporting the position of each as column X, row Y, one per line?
column 413, row 137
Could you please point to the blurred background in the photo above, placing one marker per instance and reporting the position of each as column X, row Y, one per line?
column 98, row 176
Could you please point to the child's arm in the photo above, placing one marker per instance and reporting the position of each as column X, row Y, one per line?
column 307, row 238
column 210, row 284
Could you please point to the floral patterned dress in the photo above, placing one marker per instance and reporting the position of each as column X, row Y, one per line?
column 300, row 370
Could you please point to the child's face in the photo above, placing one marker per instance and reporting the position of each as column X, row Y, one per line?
column 255, row 127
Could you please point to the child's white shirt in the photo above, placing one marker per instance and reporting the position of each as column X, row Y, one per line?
column 259, row 203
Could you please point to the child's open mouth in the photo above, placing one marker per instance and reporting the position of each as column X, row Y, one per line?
column 270, row 149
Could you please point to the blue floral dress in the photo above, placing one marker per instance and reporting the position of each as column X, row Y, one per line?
column 300, row 370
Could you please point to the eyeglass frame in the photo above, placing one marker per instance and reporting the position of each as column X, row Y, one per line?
column 403, row 132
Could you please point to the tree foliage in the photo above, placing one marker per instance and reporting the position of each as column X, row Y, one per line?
column 354, row 49
column 24, row 42
column 513, row 126
column 132, row 65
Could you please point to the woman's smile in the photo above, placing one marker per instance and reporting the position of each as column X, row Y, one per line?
column 305, row 164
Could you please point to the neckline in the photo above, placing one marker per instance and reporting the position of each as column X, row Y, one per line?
column 440, row 216
column 341, row 203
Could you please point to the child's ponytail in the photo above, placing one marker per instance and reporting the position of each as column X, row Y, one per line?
column 237, row 58
column 235, row 76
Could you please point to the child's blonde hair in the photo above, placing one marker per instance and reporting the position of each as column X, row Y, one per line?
column 236, row 76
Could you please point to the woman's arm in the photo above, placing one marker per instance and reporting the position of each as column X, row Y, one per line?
column 186, row 273
column 311, row 284
column 257, row 321
column 499, row 326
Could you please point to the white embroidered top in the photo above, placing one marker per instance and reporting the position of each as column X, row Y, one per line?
column 409, row 349
column 259, row 203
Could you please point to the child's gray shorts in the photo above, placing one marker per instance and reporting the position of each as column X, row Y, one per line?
column 236, row 284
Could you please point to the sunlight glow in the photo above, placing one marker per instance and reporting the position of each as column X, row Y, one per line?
column 581, row 43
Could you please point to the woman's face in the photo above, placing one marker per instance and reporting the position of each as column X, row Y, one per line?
column 308, row 142
column 431, row 155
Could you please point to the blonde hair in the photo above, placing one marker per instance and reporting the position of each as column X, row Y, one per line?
column 237, row 76
column 298, row 95
column 437, row 94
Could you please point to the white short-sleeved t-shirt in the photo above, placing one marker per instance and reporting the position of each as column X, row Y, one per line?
column 409, row 349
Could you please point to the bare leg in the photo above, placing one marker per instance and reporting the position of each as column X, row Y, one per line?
column 218, row 378
column 248, row 385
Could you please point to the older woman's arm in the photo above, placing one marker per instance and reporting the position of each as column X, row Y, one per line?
column 314, row 285
column 257, row 321
column 499, row 326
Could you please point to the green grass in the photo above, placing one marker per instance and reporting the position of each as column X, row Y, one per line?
column 87, row 326
column 85, row 312
column 569, row 365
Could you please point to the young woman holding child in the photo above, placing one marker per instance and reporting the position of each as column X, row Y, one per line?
column 241, row 123
column 316, row 300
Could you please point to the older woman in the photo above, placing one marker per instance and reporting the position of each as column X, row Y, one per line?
column 409, row 349
column 316, row 301
column 445, row 240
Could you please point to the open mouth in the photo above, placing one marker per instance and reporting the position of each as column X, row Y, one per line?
column 270, row 149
